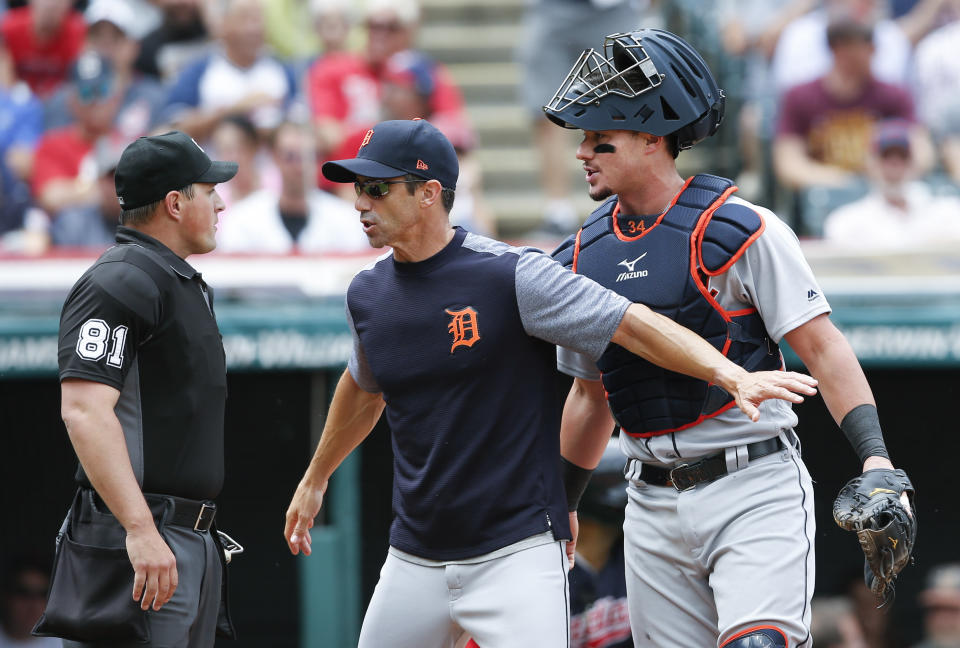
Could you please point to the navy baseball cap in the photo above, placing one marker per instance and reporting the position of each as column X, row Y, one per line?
column 397, row 147
column 891, row 134
column 152, row 166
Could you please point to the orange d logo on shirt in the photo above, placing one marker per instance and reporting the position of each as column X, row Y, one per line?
column 463, row 327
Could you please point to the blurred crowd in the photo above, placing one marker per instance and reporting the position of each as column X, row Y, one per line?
column 277, row 86
column 843, row 115
column 851, row 110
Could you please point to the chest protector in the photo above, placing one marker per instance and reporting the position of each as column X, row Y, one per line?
column 667, row 266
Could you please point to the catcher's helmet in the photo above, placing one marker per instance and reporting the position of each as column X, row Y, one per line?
column 647, row 80
column 606, row 495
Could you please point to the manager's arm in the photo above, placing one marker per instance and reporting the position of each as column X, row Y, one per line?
column 665, row 343
column 353, row 414
column 87, row 408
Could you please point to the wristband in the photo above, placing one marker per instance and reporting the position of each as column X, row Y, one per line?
column 575, row 481
column 861, row 426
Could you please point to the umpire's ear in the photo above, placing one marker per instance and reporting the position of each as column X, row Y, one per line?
column 174, row 202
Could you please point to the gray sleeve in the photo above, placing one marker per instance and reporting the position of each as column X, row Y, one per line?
column 576, row 364
column 357, row 365
column 564, row 308
column 778, row 280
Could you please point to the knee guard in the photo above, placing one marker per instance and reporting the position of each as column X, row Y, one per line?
column 768, row 637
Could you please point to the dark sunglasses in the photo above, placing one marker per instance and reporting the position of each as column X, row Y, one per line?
column 379, row 188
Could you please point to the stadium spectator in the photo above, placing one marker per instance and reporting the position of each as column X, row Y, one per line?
column 301, row 217
column 93, row 225
column 824, row 127
column 110, row 29
column 239, row 78
column 236, row 138
column 803, row 53
column 941, row 607
column 22, row 598
column 43, row 38
column 344, row 88
column 899, row 210
column 554, row 34
column 749, row 33
column 834, row 625
column 332, row 20
column 21, row 124
column 936, row 79
column 64, row 173
column 180, row 38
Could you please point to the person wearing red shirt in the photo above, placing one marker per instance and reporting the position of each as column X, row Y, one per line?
column 43, row 39
column 344, row 88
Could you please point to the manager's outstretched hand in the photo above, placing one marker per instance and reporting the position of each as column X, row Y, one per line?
column 303, row 508
column 754, row 388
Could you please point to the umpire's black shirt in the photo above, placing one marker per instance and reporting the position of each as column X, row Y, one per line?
column 141, row 320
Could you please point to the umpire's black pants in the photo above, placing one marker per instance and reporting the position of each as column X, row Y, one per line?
column 189, row 619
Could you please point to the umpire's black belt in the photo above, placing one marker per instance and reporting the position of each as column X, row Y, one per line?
column 686, row 476
column 192, row 514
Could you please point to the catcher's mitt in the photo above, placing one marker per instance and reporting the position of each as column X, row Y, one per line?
column 870, row 506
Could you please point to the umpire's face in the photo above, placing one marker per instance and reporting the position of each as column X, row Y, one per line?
column 198, row 218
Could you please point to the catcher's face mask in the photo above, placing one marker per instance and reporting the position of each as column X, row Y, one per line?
column 595, row 75
column 648, row 81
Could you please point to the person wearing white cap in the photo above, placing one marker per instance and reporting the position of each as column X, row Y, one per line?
column 111, row 33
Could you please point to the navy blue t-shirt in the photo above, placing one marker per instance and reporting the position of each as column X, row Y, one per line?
column 461, row 347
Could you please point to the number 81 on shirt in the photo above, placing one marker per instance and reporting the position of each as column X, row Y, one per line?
column 95, row 337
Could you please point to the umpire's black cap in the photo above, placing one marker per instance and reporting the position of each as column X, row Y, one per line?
column 152, row 166
column 398, row 147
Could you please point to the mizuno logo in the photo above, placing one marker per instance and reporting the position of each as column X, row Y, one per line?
column 812, row 294
column 880, row 490
column 629, row 264
column 631, row 273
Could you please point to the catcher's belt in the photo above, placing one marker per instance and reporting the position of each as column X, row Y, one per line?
column 686, row 476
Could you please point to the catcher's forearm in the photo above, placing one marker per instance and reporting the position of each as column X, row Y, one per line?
column 861, row 426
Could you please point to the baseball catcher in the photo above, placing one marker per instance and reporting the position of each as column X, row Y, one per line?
column 878, row 507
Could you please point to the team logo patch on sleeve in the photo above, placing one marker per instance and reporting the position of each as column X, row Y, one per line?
column 463, row 327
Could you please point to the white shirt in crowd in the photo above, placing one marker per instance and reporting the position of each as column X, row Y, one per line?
column 874, row 222
column 253, row 225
